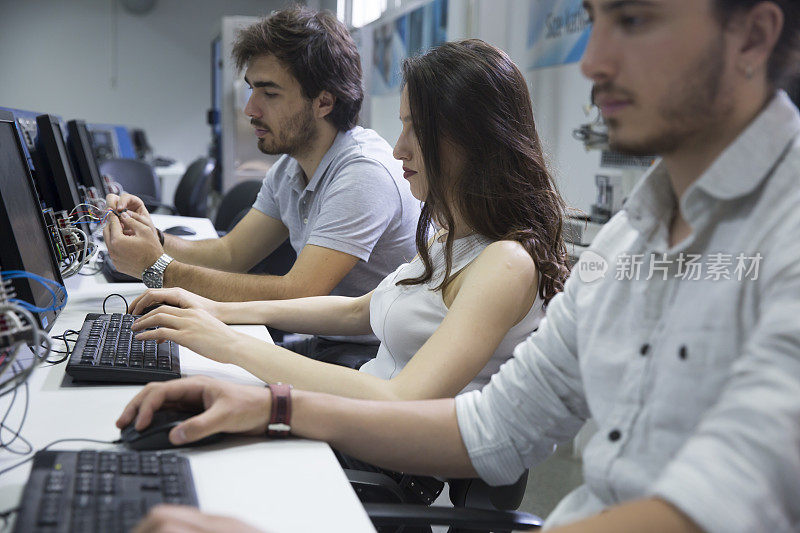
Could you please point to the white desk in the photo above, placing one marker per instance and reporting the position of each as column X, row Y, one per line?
column 203, row 226
column 278, row 486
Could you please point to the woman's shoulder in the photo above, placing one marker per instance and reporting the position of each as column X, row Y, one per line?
column 507, row 257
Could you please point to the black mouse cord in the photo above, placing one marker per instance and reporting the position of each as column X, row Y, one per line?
column 119, row 296
column 59, row 441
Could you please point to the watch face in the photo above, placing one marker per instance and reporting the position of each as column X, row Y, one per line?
column 151, row 279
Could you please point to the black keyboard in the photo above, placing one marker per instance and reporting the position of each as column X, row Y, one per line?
column 100, row 491
column 106, row 351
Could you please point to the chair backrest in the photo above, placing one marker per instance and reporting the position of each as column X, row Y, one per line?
column 477, row 494
column 191, row 196
column 239, row 198
column 136, row 177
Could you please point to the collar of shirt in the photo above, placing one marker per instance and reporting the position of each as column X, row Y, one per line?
column 741, row 167
column 297, row 171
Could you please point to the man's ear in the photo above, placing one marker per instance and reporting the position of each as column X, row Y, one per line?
column 323, row 104
column 762, row 26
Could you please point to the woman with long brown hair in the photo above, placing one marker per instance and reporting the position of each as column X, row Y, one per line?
column 450, row 317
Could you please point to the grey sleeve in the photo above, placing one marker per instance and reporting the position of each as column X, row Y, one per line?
column 356, row 209
column 740, row 471
column 265, row 201
column 533, row 402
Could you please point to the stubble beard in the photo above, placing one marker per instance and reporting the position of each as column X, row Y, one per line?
column 686, row 113
column 295, row 135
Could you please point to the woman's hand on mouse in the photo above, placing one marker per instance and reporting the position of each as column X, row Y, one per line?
column 164, row 518
column 196, row 329
column 227, row 407
column 175, row 297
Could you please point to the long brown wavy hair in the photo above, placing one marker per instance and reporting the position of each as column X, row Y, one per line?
column 471, row 95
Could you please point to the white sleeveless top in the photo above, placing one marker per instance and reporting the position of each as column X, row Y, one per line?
column 403, row 317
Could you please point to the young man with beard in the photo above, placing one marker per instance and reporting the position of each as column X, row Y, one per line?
column 686, row 353
column 337, row 193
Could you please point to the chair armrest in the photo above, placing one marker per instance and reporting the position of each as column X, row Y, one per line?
column 374, row 487
column 391, row 514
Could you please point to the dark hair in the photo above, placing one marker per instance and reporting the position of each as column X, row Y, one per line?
column 784, row 63
column 318, row 51
column 471, row 95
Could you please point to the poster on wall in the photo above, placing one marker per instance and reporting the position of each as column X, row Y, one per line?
column 558, row 31
column 409, row 34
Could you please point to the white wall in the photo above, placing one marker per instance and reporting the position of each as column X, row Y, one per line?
column 558, row 94
column 71, row 59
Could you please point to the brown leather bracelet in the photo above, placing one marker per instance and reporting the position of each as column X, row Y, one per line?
column 281, row 410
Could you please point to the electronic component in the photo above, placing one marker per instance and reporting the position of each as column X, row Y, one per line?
column 55, row 234
column 18, row 327
column 25, row 244
column 13, row 330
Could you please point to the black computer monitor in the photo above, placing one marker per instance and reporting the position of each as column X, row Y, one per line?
column 79, row 141
column 140, row 144
column 103, row 144
column 24, row 244
column 56, row 181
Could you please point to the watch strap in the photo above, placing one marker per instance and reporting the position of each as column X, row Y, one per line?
column 160, row 236
column 280, row 411
column 157, row 270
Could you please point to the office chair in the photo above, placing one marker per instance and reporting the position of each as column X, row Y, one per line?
column 191, row 196
column 234, row 206
column 137, row 178
column 476, row 506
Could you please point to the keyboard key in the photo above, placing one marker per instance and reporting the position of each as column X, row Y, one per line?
column 82, row 501
column 84, row 482
column 55, row 481
column 107, row 483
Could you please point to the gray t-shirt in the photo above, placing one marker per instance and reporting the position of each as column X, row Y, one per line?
column 357, row 202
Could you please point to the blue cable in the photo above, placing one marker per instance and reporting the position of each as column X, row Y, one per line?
column 49, row 285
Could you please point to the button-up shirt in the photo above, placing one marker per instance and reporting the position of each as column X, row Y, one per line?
column 687, row 356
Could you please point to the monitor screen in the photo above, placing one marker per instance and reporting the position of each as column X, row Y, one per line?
column 140, row 144
column 103, row 144
column 25, row 244
column 80, row 145
column 56, row 182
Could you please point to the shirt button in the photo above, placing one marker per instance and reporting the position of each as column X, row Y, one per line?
column 644, row 349
column 683, row 353
column 305, row 221
column 614, row 435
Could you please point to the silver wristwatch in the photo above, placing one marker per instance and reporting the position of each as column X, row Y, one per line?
column 153, row 277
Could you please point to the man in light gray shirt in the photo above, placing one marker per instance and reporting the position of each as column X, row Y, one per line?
column 354, row 203
column 337, row 193
column 677, row 331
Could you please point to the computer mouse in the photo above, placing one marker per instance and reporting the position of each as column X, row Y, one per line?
column 156, row 435
column 180, row 230
column 150, row 308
